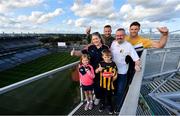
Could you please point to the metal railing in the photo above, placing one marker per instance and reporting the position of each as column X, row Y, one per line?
column 155, row 62
column 161, row 61
column 35, row 78
column 131, row 101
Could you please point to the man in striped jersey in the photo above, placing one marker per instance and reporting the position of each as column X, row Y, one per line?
column 140, row 43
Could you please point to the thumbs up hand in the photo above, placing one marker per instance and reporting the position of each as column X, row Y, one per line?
column 100, row 68
column 72, row 52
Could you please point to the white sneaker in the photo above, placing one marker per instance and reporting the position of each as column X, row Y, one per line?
column 94, row 97
column 96, row 101
column 86, row 106
column 90, row 105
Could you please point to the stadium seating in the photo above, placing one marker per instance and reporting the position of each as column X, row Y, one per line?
column 17, row 50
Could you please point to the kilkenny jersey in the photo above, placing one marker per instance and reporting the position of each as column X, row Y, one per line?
column 106, row 75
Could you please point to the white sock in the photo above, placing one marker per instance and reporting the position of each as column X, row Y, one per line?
column 91, row 101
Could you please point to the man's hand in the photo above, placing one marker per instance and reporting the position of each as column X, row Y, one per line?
column 163, row 30
column 88, row 30
column 137, row 68
column 137, row 65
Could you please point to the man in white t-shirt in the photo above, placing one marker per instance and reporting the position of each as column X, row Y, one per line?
column 120, row 49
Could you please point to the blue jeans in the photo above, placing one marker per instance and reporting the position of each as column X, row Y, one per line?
column 120, row 90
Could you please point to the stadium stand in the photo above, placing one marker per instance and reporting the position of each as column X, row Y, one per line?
column 18, row 49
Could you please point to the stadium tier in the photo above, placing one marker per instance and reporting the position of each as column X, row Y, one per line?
column 17, row 50
column 10, row 43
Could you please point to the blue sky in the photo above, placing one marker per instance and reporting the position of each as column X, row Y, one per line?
column 74, row 16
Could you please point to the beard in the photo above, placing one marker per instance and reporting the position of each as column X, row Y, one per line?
column 120, row 40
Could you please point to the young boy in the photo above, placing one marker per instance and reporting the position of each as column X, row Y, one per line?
column 108, row 73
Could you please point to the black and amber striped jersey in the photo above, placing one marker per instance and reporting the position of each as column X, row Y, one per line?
column 108, row 75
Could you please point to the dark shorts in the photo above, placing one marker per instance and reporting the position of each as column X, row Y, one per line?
column 87, row 88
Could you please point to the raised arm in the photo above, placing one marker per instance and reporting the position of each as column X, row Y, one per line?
column 163, row 39
column 88, row 36
column 88, row 30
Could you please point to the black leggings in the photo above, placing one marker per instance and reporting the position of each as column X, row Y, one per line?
column 97, row 90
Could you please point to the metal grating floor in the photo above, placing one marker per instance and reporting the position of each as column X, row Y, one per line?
column 94, row 111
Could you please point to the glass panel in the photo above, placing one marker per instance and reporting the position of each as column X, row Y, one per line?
column 56, row 94
column 153, row 63
column 172, row 60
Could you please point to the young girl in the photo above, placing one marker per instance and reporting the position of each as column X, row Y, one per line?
column 86, row 73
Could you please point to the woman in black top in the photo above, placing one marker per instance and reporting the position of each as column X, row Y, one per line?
column 94, row 50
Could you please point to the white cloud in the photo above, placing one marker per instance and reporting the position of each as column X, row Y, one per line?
column 144, row 24
column 60, row 1
column 96, row 24
column 177, row 7
column 4, row 20
column 114, row 16
column 37, row 17
column 25, row 23
column 146, row 4
column 96, row 8
column 153, row 11
column 95, row 13
column 82, row 22
column 70, row 22
column 151, row 14
column 139, row 12
column 7, row 5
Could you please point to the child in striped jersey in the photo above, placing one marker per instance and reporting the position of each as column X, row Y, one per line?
column 108, row 73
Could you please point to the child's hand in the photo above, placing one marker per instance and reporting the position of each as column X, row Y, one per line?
column 88, row 68
column 100, row 68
